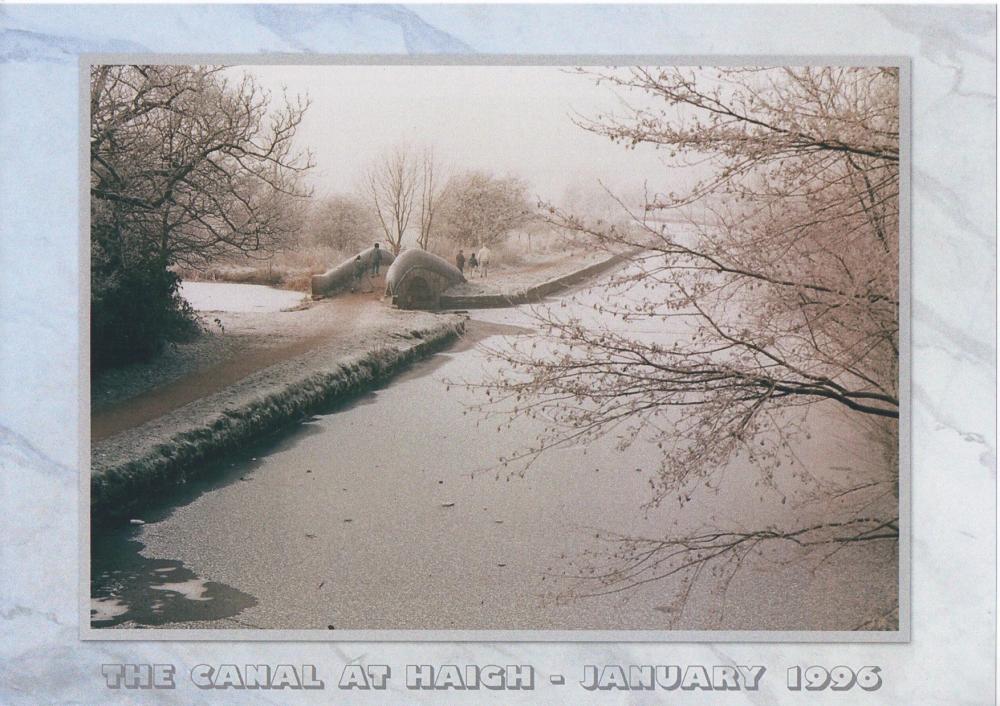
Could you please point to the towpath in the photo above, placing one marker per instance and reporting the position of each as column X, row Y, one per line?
column 237, row 344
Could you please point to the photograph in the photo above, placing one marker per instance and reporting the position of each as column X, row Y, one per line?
column 509, row 346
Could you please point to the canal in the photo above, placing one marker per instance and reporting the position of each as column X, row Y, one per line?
column 389, row 512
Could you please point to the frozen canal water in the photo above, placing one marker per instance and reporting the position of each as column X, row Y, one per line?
column 387, row 512
column 227, row 296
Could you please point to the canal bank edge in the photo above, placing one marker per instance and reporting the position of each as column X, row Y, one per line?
column 536, row 293
column 127, row 477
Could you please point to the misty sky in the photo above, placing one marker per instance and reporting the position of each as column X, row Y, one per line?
column 507, row 120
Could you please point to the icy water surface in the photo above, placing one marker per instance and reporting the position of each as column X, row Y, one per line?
column 389, row 512
column 228, row 296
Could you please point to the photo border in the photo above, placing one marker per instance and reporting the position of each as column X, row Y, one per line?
column 903, row 632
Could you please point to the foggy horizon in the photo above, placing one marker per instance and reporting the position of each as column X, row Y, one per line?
column 505, row 120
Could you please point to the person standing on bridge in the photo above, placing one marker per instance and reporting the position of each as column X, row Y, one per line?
column 484, row 260
column 359, row 273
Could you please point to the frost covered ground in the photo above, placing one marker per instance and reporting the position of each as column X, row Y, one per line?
column 254, row 372
column 508, row 280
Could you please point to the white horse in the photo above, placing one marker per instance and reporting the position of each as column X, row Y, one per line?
column 483, row 256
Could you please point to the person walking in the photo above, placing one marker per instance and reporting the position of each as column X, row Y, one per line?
column 359, row 273
column 473, row 262
column 460, row 261
column 376, row 260
column 484, row 260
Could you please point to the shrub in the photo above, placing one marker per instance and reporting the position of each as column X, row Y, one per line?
column 134, row 306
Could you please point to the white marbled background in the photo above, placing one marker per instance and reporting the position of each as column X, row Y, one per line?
column 950, row 659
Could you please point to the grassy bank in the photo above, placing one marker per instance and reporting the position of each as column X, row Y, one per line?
column 123, row 483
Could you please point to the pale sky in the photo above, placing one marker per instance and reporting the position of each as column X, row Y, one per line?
column 507, row 120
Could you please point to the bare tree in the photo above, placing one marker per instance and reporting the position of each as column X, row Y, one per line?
column 481, row 209
column 430, row 195
column 187, row 164
column 391, row 185
column 780, row 293
column 192, row 164
column 342, row 222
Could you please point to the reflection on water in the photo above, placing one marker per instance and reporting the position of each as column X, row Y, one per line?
column 127, row 587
